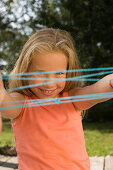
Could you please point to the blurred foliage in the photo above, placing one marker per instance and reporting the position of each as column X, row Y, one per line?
column 11, row 39
column 89, row 22
column 101, row 112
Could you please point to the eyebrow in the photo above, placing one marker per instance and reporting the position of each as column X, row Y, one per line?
column 38, row 70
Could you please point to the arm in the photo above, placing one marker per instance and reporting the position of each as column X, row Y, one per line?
column 7, row 100
column 0, row 123
column 99, row 87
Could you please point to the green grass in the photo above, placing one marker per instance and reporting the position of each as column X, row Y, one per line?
column 98, row 137
column 7, row 136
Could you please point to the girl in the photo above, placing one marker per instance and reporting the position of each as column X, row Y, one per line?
column 50, row 137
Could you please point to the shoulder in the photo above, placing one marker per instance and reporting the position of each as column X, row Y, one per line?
column 17, row 96
column 73, row 92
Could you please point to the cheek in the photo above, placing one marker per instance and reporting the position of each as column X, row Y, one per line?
column 35, row 81
column 62, row 84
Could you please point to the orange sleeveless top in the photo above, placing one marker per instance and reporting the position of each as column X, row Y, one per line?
column 50, row 137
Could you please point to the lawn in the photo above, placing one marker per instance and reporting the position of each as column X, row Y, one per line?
column 98, row 136
column 7, row 137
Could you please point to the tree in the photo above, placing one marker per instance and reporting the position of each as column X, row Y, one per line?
column 89, row 22
column 11, row 38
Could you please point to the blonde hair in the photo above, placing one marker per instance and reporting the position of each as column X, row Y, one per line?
column 45, row 41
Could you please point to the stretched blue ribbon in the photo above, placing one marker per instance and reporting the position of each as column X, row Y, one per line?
column 41, row 102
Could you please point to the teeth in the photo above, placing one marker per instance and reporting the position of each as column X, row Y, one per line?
column 47, row 91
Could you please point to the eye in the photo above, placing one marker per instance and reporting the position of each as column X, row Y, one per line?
column 42, row 74
column 59, row 73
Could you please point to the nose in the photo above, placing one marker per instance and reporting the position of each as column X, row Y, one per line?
column 51, row 84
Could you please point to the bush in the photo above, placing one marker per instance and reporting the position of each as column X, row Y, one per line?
column 100, row 112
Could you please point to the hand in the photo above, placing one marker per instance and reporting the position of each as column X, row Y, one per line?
column 2, row 88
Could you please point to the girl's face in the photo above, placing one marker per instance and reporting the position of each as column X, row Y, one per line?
column 55, row 61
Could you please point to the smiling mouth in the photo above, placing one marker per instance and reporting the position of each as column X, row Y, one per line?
column 47, row 92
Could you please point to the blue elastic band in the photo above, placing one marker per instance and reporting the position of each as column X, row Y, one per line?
column 41, row 102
